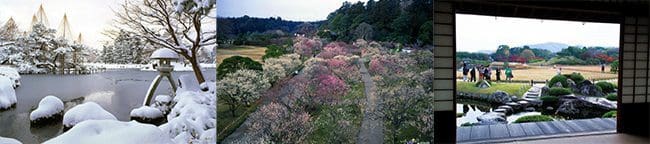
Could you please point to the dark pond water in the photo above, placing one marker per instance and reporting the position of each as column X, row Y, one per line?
column 117, row 91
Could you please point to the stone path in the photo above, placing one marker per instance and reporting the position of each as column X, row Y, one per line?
column 372, row 127
column 522, row 131
column 534, row 92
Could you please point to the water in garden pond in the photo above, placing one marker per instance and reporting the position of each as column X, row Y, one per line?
column 117, row 91
column 472, row 111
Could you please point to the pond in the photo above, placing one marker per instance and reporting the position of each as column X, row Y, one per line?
column 117, row 91
column 472, row 111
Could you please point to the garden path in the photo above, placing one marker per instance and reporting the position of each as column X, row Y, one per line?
column 372, row 126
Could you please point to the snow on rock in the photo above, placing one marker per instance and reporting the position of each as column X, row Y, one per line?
column 7, row 93
column 193, row 113
column 164, row 53
column 177, row 67
column 112, row 132
column 12, row 73
column 209, row 136
column 146, row 112
column 162, row 103
column 50, row 106
column 86, row 111
column 4, row 140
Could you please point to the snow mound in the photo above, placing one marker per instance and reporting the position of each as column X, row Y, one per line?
column 209, row 136
column 12, row 73
column 7, row 93
column 4, row 140
column 112, row 132
column 164, row 53
column 194, row 113
column 86, row 111
column 49, row 106
column 163, row 99
column 146, row 112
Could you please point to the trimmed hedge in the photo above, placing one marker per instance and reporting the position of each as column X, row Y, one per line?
column 558, row 78
column 533, row 118
column 549, row 99
column 556, row 91
column 611, row 97
column 576, row 77
column 610, row 114
column 606, row 86
column 234, row 63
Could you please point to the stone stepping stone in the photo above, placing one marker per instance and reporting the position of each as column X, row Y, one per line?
column 574, row 126
column 480, row 132
column 602, row 123
column 531, row 129
column 499, row 131
column 515, row 130
column 501, row 111
column 548, row 128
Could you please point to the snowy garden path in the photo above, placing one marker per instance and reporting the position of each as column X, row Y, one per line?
column 372, row 127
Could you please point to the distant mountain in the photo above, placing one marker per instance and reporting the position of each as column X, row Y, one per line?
column 486, row 51
column 551, row 46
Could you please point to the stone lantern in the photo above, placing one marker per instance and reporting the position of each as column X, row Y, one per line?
column 164, row 57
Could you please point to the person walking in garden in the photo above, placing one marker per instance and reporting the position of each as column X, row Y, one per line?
column 509, row 75
column 480, row 72
column 465, row 71
column 472, row 75
column 602, row 67
column 487, row 73
column 498, row 74
column 559, row 71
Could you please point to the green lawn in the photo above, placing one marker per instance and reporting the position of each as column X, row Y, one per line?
column 227, row 122
column 517, row 89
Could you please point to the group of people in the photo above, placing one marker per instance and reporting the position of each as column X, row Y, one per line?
column 484, row 73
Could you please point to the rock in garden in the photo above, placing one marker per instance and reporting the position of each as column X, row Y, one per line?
column 7, row 93
column 83, row 112
column 492, row 118
column 508, row 108
column 549, row 108
column 162, row 103
column 530, row 109
column 514, row 105
column 557, row 84
column 499, row 97
column 579, row 108
column 483, row 84
column 50, row 109
column 523, row 103
column 589, row 89
column 571, row 83
column 504, row 111
column 148, row 115
column 112, row 131
column 545, row 90
column 5, row 140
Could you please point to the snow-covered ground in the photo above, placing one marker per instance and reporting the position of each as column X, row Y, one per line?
column 112, row 132
column 7, row 93
column 148, row 67
column 86, row 111
column 49, row 106
column 4, row 140
column 146, row 112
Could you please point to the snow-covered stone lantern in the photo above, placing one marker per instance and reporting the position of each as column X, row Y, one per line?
column 164, row 57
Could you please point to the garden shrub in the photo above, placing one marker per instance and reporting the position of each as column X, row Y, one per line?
column 273, row 51
column 234, row 63
column 611, row 97
column 558, row 78
column 606, row 86
column 559, row 91
column 614, row 66
column 576, row 77
column 533, row 118
column 546, row 100
column 610, row 114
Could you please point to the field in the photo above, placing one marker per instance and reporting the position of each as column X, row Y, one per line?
column 253, row 52
column 510, row 88
column 538, row 73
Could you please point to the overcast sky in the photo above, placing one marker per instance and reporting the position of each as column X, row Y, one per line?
column 89, row 17
column 296, row 10
column 476, row 32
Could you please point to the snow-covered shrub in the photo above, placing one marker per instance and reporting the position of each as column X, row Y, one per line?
column 85, row 111
column 162, row 103
column 112, row 132
column 7, row 93
column 193, row 113
column 49, row 108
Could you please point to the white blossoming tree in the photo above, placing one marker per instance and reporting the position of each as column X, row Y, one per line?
column 241, row 88
column 277, row 68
